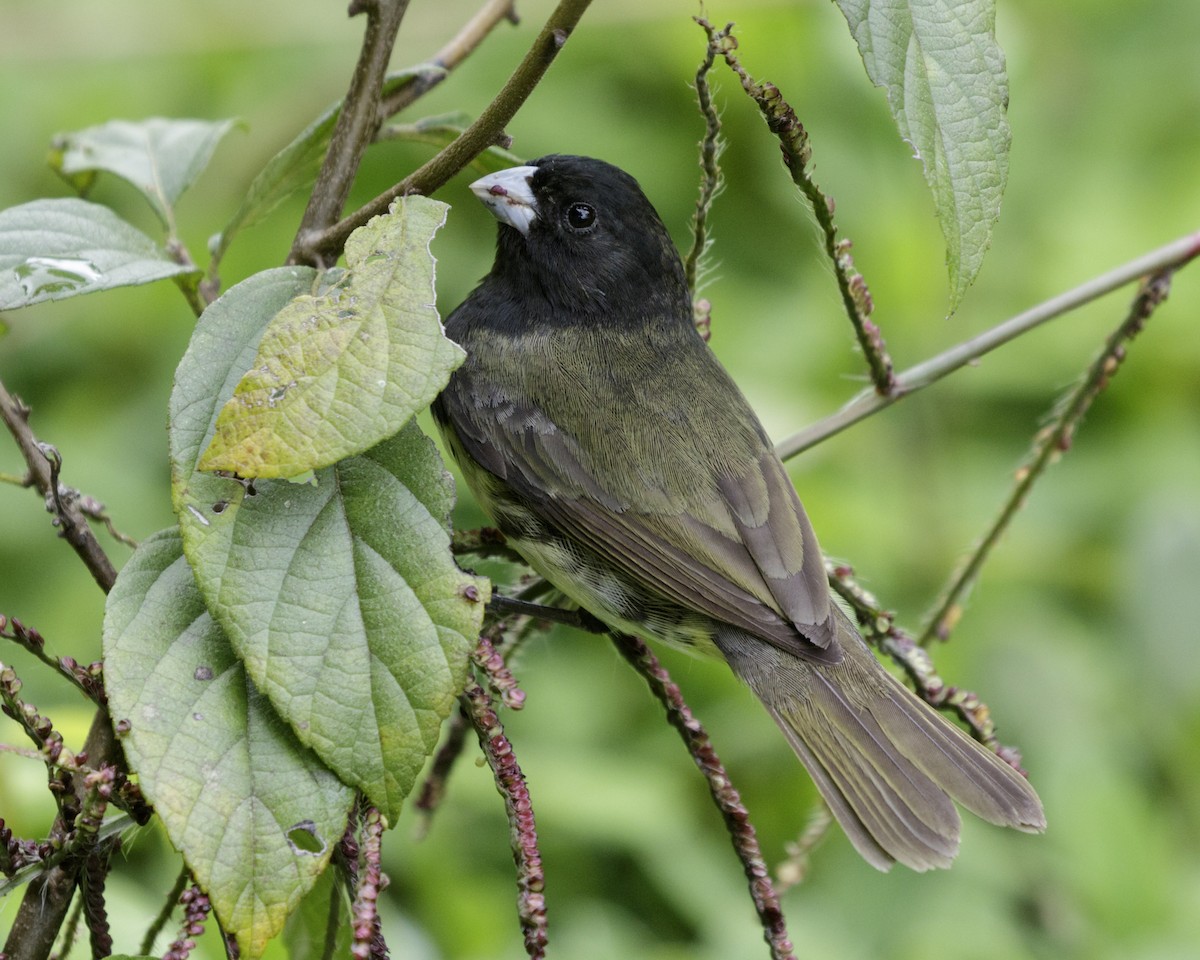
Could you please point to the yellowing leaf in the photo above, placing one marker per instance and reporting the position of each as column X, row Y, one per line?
column 339, row 371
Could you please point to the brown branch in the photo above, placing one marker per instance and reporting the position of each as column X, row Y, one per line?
column 44, row 462
column 324, row 245
column 711, row 146
column 89, row 679
column 510, row 781
column 461, row 46
column 1175, row 254
column 359, row 117
column 48, row 896
column 797, row 155
column 737, row 819
column 1048, row 445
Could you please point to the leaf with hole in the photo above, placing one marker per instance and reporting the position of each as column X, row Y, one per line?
column 340, row 595
column 255, row 814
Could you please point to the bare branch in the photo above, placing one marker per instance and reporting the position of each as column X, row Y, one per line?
column 461, row 46
column 1048, row 445
column 797, row 154
column 44, row 462
column 324, row 245
column 1172, row 256
column 737, row 818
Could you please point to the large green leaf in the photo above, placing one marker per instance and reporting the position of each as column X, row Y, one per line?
column 337, row 372
column 52, row 249
column 340, row 595
column 159, row 157
column 255, row 814
column 948, row 90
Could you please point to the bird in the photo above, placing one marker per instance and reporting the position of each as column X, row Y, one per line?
column 619, row 458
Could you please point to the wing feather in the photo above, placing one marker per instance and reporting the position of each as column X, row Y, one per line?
column 735, row 545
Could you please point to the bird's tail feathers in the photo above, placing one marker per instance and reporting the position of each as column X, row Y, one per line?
column 886, row 763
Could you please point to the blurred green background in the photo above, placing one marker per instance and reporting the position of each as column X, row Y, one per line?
column 1081, row 636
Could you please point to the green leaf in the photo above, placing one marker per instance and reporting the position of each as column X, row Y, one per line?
column 255, row 814
column 340, row 596
column 161, row 158
column 296, row 165
column 948, row 90
column 337, row 372
column 52, row 249
column 313, row 926
column 439, row 131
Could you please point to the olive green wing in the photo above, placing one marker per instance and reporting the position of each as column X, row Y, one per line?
column 736, row 545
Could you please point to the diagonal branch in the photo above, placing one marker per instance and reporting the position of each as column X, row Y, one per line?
column 797, row 157
column 1171, row 256
column 737, row 819
column 43, row 463
column 324, row 245
column 1049, row 443
column 460, row 46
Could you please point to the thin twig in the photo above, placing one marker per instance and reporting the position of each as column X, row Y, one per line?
column 460, row 46
column 367, row 936
column 711, row 146
column 324, row 245
column 797, row 154
column 1173, row 255
column 792, row 871
column 496, row 645
column 43, row 463
column 433, row 790
column 1048, row 445
column 48, row 896
column 510, row 781
column 737, row 819
column 88, row 680
column 164, row 915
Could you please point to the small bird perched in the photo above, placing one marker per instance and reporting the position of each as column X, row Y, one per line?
column 618, row 457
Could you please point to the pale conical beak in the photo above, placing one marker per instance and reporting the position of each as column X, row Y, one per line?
column 508, row 195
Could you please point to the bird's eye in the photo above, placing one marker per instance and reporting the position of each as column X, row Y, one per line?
column 581, row 216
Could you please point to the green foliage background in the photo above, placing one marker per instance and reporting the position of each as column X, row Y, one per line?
column 1080, row 636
